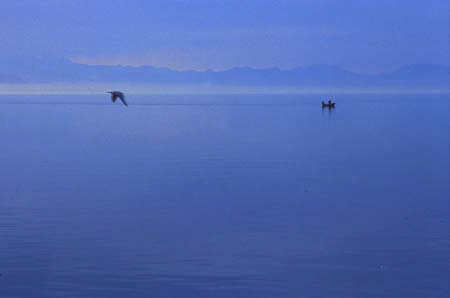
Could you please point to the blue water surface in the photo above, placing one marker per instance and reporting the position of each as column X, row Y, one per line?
column 224, row 196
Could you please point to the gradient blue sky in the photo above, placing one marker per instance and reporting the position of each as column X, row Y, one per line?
column 365, row 36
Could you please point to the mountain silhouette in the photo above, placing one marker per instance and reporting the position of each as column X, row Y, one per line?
column 62, row 70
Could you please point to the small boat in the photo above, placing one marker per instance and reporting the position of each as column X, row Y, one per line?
column 328, row 105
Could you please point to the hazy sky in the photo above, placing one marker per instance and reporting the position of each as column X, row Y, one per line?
column 366, row 36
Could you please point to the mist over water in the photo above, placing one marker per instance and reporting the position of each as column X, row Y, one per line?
column 66, row 90
column 224, row 196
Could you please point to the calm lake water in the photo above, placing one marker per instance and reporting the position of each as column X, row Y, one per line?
column 224, row 196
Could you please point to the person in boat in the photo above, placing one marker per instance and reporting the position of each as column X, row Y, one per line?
column 329, row 104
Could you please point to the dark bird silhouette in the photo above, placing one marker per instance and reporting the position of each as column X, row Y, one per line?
column 118, row 94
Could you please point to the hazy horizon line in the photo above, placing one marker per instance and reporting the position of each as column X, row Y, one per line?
column 81, row 88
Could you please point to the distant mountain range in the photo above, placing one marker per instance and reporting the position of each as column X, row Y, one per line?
column 39, row 71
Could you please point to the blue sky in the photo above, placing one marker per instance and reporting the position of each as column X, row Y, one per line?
column 364, row 36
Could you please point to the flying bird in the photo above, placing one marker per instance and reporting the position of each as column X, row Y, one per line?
column 118, row 94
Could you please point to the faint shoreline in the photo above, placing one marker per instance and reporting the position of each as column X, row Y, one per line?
column 148, row 89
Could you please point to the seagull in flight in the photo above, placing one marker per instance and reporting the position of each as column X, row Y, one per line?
column 118, row 94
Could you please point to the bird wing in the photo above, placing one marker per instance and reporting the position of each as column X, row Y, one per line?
column 113, row 97
column 122, row 98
